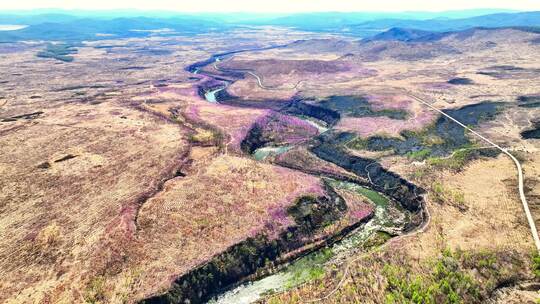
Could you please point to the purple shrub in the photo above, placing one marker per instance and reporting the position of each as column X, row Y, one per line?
column 285, row 129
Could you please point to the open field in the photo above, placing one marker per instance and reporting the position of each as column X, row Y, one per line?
column 120, row 182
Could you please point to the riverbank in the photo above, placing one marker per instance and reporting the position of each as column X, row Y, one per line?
column 398, row 200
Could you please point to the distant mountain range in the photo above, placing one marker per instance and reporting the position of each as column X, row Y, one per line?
column 88, row 25
column 413, row 35
column 491, row 20
column 332, row 21
column 68, row 28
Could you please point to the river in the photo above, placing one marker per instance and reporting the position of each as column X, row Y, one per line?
column 389, row 218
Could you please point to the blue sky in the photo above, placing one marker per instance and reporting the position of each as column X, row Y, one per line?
column 286, row 6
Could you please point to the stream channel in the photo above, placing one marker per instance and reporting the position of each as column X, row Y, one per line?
column 390, row 218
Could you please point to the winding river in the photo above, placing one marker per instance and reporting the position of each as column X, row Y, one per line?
column 210, row 96
column 390, row 218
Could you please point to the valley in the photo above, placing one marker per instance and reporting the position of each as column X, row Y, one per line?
column 270, row 165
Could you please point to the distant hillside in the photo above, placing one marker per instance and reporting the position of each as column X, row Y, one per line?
column 400, row 34
column 441, row 25
column 415, row 45
column 66, row 28
column 413, row 35
column 367, row 24
column 81, row 25
column 338, row 21
column 322, row 45
column 35, row 19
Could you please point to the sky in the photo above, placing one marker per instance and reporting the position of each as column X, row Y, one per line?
column 272, row 6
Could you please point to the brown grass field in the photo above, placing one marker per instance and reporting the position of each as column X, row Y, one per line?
column 112, row 185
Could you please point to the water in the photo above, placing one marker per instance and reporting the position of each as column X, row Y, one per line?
column 11, row 27
column 262, row 153
column 317, row 125
column 210, row 96
column 253, row 291
column 389, row 216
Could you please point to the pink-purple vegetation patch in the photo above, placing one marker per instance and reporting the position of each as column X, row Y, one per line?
column 234, row 122
column 394, row 102
column 278, row 219
column 419, row 117
column 285, row 74
column 301, row 158
column 285, row 129
column 437, row 86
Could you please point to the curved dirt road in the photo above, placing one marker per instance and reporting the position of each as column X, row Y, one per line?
column 522, row 196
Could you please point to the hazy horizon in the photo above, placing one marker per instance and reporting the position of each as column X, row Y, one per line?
column 274, row 7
